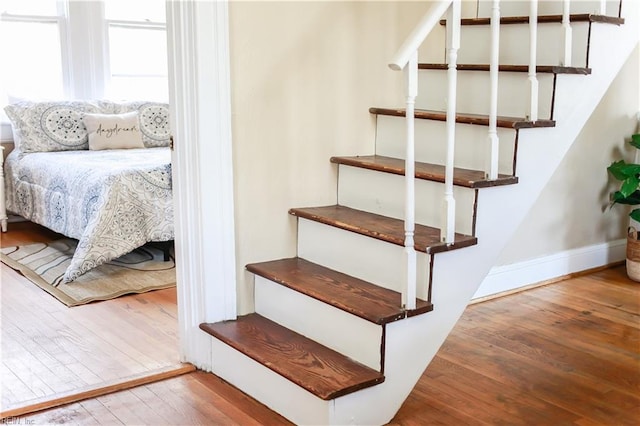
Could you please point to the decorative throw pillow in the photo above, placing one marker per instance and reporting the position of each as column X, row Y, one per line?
column 154, row 121
column 50, row 126
column 113, row 131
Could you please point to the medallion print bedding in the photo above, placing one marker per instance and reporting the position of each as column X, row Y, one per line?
column 112, row 201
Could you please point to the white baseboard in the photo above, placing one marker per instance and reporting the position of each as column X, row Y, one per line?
column 516, row 275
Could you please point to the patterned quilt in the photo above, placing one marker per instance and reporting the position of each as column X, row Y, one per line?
column 112, row 201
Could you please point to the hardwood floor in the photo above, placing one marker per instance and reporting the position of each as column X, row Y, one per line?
column 50, row 351
column 564, row 354
column 197, row 398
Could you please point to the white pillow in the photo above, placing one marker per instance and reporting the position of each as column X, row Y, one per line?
column 113, row 131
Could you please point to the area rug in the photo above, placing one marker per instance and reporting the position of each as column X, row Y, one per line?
column 140, row 271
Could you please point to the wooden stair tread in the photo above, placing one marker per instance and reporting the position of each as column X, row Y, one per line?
column 478, row 119
column 545, row 69
column 427, row 238
column 316, row 368
column 427, row 171
column 355, row 296
column 543, row 19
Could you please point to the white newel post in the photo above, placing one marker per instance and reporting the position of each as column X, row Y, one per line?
column 494, row 143
column 411, row 83
column 533, row 50
column 447, row 231
column 566, row 25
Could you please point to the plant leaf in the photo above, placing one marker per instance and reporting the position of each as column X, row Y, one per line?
column 622, row 170
column 618, row 198
column 630, row 185
column 614, row 169
column 635, row 140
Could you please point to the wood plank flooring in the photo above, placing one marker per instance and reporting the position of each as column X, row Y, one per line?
column 49, row 350
column 564, row 354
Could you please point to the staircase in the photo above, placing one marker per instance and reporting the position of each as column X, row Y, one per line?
column 329, row 342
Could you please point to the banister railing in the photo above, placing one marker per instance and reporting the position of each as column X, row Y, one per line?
column 406, row 58
column 419, row 33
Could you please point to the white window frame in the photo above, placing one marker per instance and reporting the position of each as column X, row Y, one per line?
column 61, row 20
column 129, row 24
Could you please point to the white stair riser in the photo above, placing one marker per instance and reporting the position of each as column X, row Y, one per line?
column 547, row 7
column 383, row 193
column 430, row 142
column 475, row 44
column 345, row 333
column 514, row 44
column 360, row 256
column 473, row 92
column 268, row 387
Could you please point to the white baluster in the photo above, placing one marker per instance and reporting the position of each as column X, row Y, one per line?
column 411, row 81
column 603, row 7
column 494, row 143
column 533, row 49
column 406, row 58
column 447, row 232
column 566, row 24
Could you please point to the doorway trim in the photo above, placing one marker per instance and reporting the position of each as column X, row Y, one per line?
column 202, row 167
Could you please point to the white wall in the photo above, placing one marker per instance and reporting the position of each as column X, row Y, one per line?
column 570, row 227
column 303, row 77
column 572, row 211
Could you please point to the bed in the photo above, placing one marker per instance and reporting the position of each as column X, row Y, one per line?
column 111, row 198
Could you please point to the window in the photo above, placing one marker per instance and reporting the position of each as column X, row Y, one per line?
column 31, row 34
column 137, row 49
column 76, row 49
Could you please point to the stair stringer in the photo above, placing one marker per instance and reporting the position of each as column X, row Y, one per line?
column 412, row 343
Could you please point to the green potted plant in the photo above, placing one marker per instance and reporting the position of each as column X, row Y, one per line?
column 629, row 193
